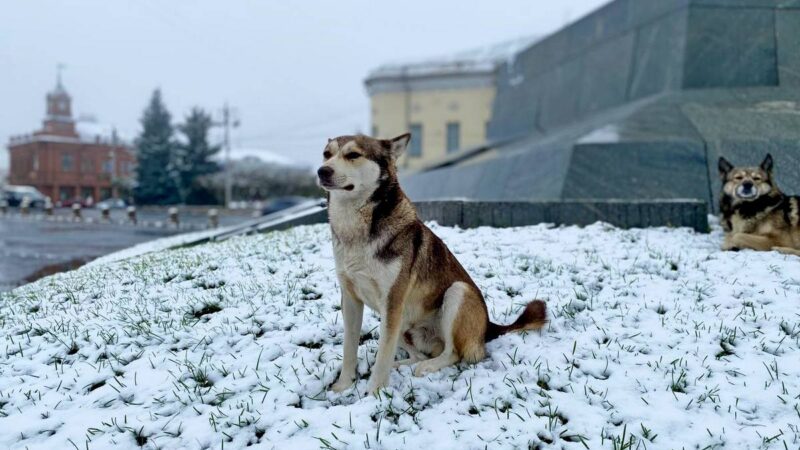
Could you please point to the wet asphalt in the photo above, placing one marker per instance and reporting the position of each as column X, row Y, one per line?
column 36, row 246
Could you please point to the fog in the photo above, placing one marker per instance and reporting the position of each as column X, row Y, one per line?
column 293, row 71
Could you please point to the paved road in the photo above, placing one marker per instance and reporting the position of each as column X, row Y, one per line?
column 33, row 247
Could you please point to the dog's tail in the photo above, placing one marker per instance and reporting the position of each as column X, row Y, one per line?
column 533, row 317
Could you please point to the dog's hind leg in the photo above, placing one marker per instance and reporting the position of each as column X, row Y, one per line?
column 462, row 340
column 787, row 250
column 414, row 355
column 352, row 313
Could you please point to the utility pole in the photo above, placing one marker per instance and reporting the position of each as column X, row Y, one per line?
column 227, row 122
column 113, row 155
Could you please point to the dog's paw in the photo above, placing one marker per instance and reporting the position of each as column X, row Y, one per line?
column 404, row 362
column 423, row 368
column 728, row 245
column 787, row 250
column 375, row 385
column 341, row 385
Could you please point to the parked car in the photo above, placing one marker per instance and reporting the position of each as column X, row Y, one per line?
column 278, row 204
column 87, row 202
column 14, row 195
column 112, row 203
column 68, row 203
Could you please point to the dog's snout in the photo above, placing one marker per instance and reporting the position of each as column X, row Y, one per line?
column 325, row 172
column 747, row 185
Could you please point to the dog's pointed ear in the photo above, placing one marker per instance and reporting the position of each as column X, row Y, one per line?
column 724, row 167
column 398, row 145
column 329, row 140
column 766, row 164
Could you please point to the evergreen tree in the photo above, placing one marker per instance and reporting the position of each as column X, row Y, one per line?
column 193, row 157
column 155, row 147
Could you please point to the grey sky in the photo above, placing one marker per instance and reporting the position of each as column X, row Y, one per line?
column 294, row 70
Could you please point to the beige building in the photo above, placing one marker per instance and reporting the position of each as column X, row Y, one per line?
column 445, row 103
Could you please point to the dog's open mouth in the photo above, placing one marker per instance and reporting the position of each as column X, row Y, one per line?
column 746, row 195
column 333, row 187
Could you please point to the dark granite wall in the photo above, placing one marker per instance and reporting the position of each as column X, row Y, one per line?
column 624, row 51
column 638, row 100
column 632, row 49
column 787, row 31
column 730, row 47
column 472, row 214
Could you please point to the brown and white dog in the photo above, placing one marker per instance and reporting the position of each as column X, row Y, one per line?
column 387, row 259
column 755, row 214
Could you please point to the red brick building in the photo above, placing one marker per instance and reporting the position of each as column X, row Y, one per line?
column 65, row 165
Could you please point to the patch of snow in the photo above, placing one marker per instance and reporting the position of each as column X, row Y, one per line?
column 778, row 106
column 154, row 246
column 656, row 338
column 90, row 130
column 608, row 134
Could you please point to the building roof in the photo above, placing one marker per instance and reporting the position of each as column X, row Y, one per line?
column 476, row 61
column 91, row 130
column 58, row 91
column 88, row 132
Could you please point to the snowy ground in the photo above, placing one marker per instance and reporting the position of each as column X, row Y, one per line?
column 155, row 246
column 657, row 340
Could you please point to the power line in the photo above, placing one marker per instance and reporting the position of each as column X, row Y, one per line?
column 304, row 127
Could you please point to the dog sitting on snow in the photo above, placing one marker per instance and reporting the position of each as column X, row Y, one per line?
column 387, row 259
column 755, row 214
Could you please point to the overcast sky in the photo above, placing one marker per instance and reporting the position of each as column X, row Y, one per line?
column 293, row 70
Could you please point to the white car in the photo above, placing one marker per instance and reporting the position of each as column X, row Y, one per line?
column 15, row 194
column 112, row 203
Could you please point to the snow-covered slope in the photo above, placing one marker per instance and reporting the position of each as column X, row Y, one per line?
column 656, row 339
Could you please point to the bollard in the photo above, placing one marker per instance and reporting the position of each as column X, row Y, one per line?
column 25, row 205
column 48, row 206
column 105, row 213
column 76, row 211
column 172, row 213
column 213, row 218
column 132, row 214
column 3, row 207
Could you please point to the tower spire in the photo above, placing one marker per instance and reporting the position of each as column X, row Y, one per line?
column 59, row 68
column 59, row 109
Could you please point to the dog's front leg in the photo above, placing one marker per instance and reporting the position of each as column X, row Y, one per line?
column 352, row 313
column 752, row 241
column 727, row 243
column 391, row 324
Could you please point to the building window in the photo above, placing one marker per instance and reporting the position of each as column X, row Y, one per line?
column 66, row 193
column 86, row 192
column 87, row 165
column 36, row 162
column 415, row 146
column 107, row 166
column 67, row 162
column 453, row 136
